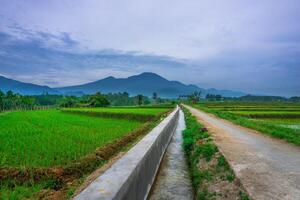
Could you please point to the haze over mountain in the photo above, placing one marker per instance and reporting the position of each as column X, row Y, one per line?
column 7, row 84
column 145, row 83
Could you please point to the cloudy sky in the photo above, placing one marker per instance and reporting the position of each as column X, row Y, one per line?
column 250, row 45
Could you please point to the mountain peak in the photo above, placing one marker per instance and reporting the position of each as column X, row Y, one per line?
column 7, row 84
column 148, row 76
column 109, row 78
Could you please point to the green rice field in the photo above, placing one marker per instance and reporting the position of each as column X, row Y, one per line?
column 49, row 139
column 56, row 138
column 122, row 110
column 280, row 120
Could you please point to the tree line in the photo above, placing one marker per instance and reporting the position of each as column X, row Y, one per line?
column 14, row 101
column 195, row 97
column 11, row 101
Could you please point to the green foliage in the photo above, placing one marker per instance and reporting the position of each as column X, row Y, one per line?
column 194, row 150
column 24, row 191
column 139, row 99
column 194, row 97
column 223, row 163
column 243, row 196
column 213, row 97
column 207, row 150
column 98, row 100
column 262, row 99
column 68, row 102
column 154, row 96
column 11, row 101
column 48, row 100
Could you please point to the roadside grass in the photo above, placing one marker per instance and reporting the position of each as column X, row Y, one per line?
column 210, row 172
column 48, row 154
column 273, row 126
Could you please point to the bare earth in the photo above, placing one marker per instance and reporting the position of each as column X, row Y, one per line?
column 267, row 167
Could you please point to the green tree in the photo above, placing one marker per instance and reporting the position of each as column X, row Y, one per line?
column 140, row 99
column 68, row 102
column 195, row 97
column 154, row 96
column 1, row 100
column 98, row 100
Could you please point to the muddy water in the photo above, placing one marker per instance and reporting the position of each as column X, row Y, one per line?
column 173, row 181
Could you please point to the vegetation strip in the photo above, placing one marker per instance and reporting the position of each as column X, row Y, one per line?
column 211, row 175
column 275, row 126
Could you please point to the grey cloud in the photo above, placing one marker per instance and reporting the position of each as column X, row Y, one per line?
column 249, row 45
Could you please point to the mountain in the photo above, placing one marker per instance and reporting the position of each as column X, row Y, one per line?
column 24, row 88
column 145, row 83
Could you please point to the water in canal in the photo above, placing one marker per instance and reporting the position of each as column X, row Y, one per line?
column 173, row 181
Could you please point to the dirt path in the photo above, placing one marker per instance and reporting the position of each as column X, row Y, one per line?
column 268, row 168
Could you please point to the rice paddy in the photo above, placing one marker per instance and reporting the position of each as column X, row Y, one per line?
column 37, row 141
column 130, row 113
column 53, row 138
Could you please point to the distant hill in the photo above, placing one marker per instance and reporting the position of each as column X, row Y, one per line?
column 145, row 83
column 24, row 88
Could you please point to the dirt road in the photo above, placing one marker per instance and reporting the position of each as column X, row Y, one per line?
column 268, row 168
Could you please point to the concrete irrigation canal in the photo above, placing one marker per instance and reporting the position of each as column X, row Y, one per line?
column 173, row 181
column 155, row 168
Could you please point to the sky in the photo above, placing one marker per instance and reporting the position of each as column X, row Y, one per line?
column 251, row 45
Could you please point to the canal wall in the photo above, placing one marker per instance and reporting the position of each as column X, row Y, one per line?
column 132, row 176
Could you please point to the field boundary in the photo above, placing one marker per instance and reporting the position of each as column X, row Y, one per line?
column 127, row 116
column 132, row 176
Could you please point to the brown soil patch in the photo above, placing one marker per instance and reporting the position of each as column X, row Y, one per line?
column 220, row 186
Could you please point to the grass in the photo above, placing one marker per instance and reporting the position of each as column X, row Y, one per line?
column 277, row 120
column 52, row 138
column 20, row 192
column 131, row 113
column 123, row 110
column 278, row 114
column 35, row 144
column 201, row 151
